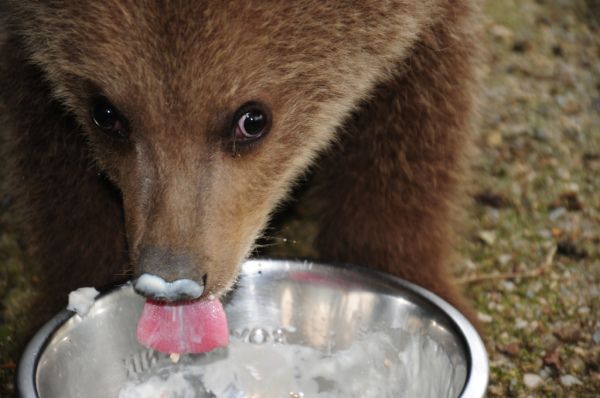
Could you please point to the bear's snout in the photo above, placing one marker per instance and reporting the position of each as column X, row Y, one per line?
column 167, row 275
column 155, row 287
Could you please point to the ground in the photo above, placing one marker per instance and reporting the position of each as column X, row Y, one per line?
column 531, row 254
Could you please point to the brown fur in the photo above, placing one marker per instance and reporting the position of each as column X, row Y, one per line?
column 390, row 82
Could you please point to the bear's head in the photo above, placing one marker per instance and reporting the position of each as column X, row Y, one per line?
column 202, row 113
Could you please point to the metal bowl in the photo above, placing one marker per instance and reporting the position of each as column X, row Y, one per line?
column 329, row 330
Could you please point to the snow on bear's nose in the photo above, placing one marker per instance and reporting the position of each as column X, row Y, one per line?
column 156, row 288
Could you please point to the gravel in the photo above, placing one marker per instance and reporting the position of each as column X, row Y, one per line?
column 531, row 380
column 569, row 380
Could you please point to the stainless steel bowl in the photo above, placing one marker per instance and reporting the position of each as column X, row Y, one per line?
column 390, row 337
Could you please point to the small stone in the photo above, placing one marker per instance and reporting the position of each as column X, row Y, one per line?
column 557, row 213
column 563, row 173
column 494, row 139
column 485, row 318
column 493, row 214
column 512, row 349
column 569, row 380
column 571, row 107
column 575, row 365
column 552, row 358
column 596, row 336
column 496, row 390
column 469, row 264
column 549, row 342
column 487, row 237
column 508, row 286
column 544, row 233
column 520, row 323
column 504, row 259
column 531, row 380
column 569, row 333
column 572, row 187
column 541, row 134
column 501, row 32
column 545, row 372
column 583, row 310
column 582, row 352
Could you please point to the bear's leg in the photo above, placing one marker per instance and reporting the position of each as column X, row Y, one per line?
column 72, row 218
column 390, row 185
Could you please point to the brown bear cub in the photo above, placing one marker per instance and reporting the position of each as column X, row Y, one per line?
column 156, row 138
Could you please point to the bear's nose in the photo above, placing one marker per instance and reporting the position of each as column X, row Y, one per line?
column 156, row 288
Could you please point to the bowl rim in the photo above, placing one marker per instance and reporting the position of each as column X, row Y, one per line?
column 477, row 358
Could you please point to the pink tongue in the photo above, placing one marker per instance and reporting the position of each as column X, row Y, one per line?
column 191, row 327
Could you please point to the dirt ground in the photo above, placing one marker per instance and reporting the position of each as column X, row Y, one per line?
column 531, row 259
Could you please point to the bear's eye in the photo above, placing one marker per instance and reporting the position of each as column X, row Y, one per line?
column 251, row 122
column 108, row 119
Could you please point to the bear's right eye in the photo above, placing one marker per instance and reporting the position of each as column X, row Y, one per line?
column 108, row 119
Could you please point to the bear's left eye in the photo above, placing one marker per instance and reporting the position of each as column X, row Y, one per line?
column 108, row 119
column 251, row 122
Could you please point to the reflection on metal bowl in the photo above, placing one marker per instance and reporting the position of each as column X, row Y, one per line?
column 297, row 329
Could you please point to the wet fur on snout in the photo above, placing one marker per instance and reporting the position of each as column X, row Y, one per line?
column 380, row 92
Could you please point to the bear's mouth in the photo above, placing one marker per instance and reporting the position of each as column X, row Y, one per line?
column 183, row 327
column 176, row 320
